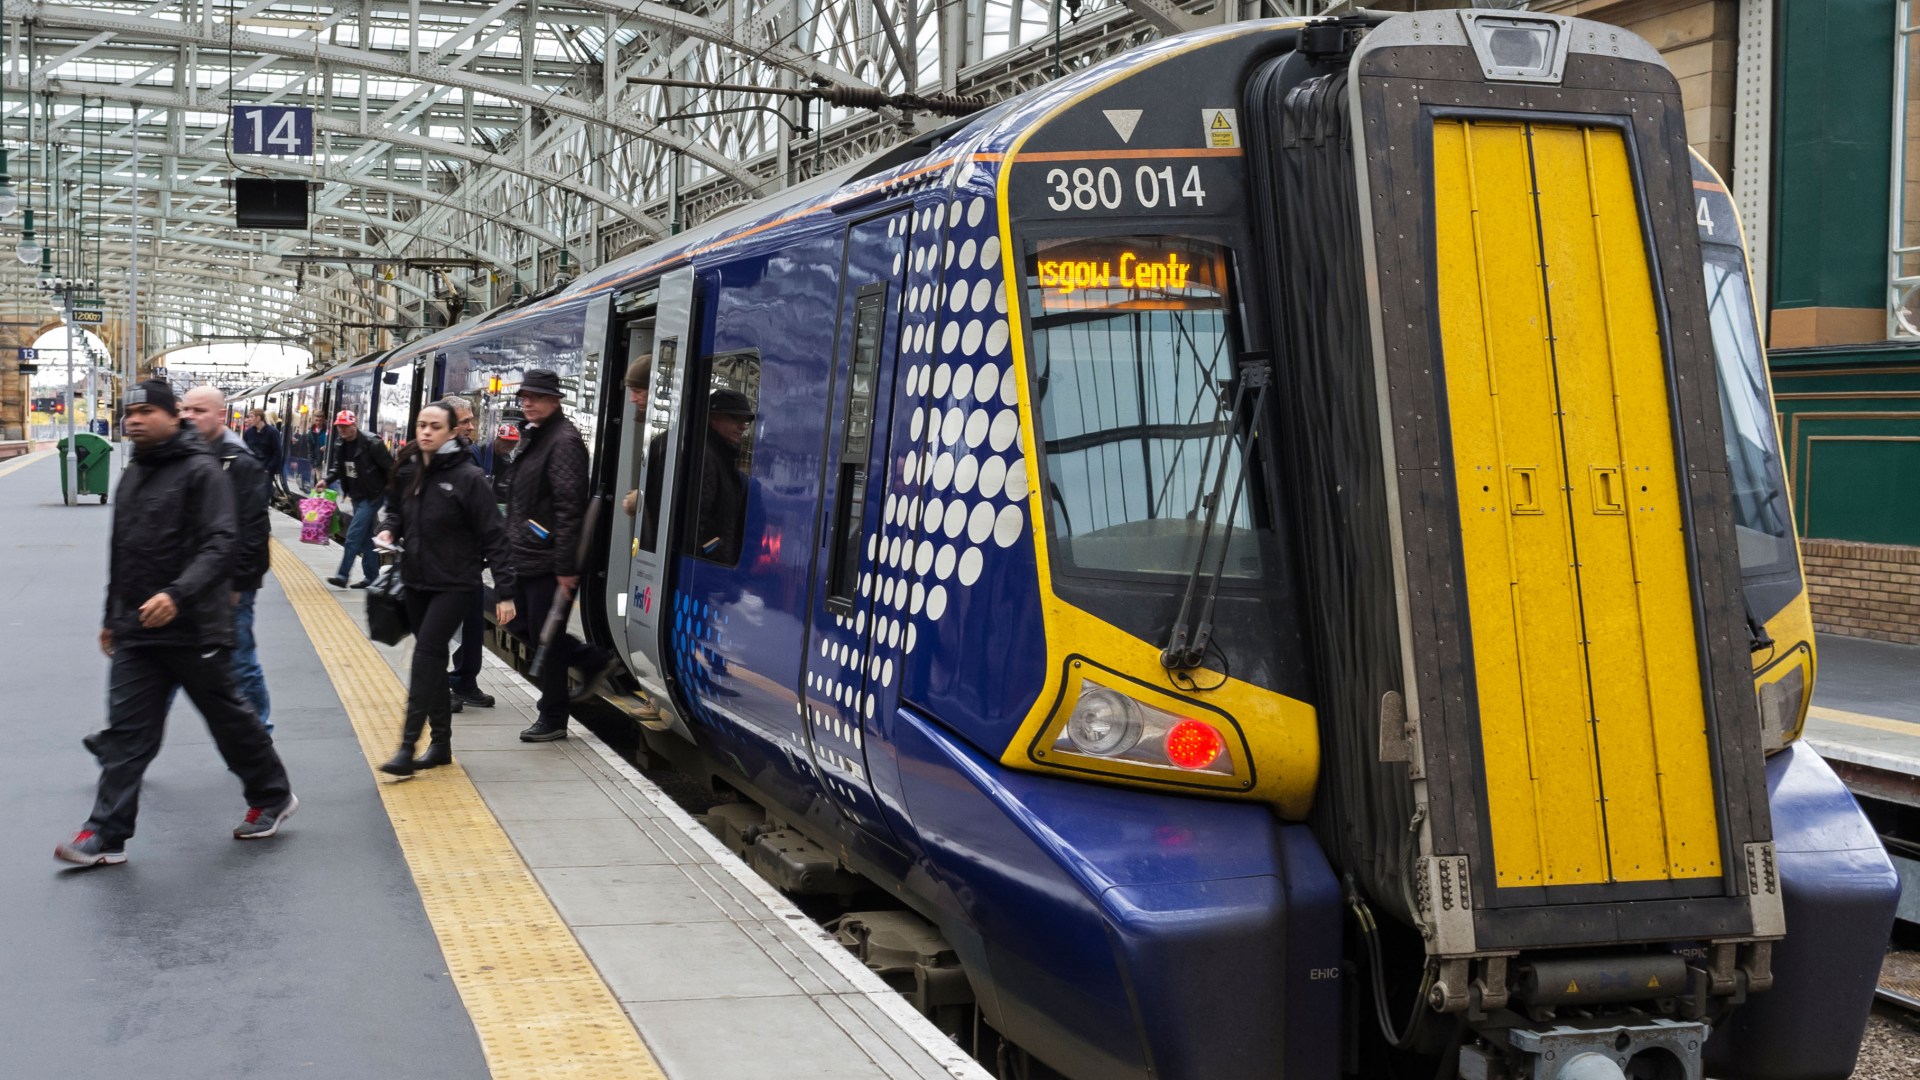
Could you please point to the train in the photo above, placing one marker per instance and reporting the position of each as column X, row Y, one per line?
column 1271, row 548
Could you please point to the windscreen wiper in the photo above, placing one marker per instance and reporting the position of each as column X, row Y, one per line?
column 1187, row 645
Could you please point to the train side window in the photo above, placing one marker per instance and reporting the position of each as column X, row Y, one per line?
column 725, row 442
column 843, row 575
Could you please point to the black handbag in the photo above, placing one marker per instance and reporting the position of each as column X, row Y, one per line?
column 387, row 621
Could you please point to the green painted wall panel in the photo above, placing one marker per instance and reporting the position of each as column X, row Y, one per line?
column 1834, row 89
column 1850, row 429
column 1840, row 507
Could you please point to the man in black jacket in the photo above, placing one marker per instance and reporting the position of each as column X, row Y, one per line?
column 546, row 501
column 206, row 409
column 464, row 680
column 264, row 440
column 169, row 624
column 361, row 465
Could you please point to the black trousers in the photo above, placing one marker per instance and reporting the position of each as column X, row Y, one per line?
column 435, row 616
column 466, row 659
column 140, row 687
column 533, row 598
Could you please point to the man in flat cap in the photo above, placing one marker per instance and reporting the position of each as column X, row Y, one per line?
column 723, row 487
column 546, row 502
column 169, row 625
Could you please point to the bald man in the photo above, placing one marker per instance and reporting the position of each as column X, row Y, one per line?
column 205, row 409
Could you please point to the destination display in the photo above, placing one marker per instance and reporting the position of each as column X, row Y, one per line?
column 1130, row 273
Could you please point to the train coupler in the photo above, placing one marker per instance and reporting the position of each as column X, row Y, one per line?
column 1655, row 1049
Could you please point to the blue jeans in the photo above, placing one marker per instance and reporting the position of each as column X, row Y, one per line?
column 366, row 514
column 248, row 679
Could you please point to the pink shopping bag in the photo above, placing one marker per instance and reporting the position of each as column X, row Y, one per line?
column 316, row 514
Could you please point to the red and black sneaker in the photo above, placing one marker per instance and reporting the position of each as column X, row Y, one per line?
column 87, row 849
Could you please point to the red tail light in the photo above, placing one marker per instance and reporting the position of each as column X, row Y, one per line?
column 1194, row 745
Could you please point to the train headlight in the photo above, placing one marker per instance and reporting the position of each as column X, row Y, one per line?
column 1110, row 725
column 1104, row 722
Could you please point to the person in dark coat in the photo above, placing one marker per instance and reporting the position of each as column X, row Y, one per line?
column 723, row 487
column 169, row 624
column 440, row 509
column 361, row 467
column 264, row 440
column 464, row 680
column 206, row 408
column 546, row 502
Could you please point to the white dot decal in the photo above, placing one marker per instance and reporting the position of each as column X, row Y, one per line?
column 942, row 472
column 1007, row 527
column 954, row 219
column 990, row 253
column 997, row 340
column 893, row 554
column 866, row 584
column 1017, row 479
column 893, row 224
column 976, row 428
column 919, row 597
column 982, row 294
column 1006, row 427
column 976, row 211
column 913, row 636
column 923, row 558
column 871, row 541
column 958, row 302
column 1000, row 298
column 914, row 428
column 963, row 382
column 970, row 340
column 906, row 469
column 859, row 622
column 986, row 383
column 897, row 256
column 956, row 519
column 951, row 427
column 949, row 338
column 993, row 476
column 1009, row 386
column 949, row 253
column 966, row 255
column 941, row 377
column 943, row 562
column 869, row 708
column 932, row 520
column 893, row 633
column 980, row 523
column 936, row 601
column 886, row 673
column 966, row 472
column 886, row 591
column 970, row 566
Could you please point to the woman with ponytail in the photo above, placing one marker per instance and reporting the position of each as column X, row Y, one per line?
column 440, row 509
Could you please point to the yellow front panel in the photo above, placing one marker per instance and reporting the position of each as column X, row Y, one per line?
column 1650, row 721
column 1588, row 685
column 1542, row 787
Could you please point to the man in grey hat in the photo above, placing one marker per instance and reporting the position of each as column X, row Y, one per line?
column 169, row 625
column 723, row 487
column 546, row 502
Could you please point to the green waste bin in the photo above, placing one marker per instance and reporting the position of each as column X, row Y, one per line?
column 95, row 455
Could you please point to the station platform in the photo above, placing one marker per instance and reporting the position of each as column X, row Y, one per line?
column 535, row 911
column 1865, row 716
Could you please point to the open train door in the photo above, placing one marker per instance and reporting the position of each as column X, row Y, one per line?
column 652, row 548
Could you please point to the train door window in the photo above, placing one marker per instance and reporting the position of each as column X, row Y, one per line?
column 725, row 444
column 644, row 461
column 869, row 314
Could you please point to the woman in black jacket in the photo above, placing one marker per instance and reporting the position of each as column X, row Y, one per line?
column 441, row 508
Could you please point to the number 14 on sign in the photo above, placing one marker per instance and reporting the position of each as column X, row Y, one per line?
column 285, row 130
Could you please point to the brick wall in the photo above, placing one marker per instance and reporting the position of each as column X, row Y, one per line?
column 1864, row 590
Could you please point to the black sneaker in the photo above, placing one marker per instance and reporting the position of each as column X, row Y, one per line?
column 361, row 584
column 596, row 683
column 262, row 822
column 87, row 849
column 338, row 581
column 474, row 698
column 92, row 742
column 541, row 731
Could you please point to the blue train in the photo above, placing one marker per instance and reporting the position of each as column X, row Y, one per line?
column 1265, row 544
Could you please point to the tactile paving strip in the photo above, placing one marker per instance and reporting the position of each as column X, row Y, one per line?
column 540, row 1007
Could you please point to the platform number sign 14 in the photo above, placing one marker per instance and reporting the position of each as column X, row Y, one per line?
column 283, row 130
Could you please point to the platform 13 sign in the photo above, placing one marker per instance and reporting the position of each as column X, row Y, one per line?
column 285, row 130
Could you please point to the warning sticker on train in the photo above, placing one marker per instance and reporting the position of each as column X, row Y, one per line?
column 1222, row 128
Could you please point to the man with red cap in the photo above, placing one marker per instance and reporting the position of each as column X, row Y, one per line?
column 360, row 467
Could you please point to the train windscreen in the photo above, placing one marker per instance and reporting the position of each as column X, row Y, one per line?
column 1133, row 370
column 1761, row 517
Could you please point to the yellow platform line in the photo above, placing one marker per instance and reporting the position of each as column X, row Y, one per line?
column 541, row 1009
column 23, row 461
column 1865, row 720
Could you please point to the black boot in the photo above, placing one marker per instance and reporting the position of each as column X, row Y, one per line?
column 439, row 746
column 401, row 763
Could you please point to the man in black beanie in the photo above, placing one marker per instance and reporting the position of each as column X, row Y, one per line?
column 168, row 625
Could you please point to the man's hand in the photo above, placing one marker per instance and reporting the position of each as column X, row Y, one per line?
column 503, row 612
column 568, row 582
column 158, row 611
column 233, row 598
column 106, row 641
column 383, row 539
column 631, row 502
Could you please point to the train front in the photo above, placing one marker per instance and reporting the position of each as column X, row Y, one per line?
column 1387, row 688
